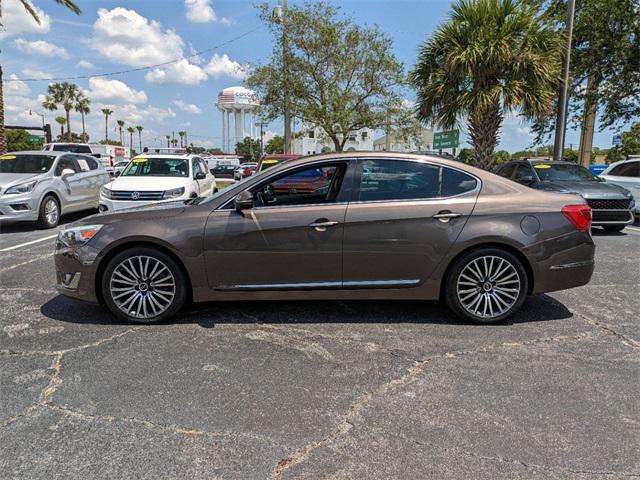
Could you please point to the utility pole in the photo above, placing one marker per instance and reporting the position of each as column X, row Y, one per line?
column 563, row 100
column 282, row 14
column 261, row 124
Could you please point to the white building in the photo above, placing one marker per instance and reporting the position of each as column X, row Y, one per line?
column 396, row 144
column 312, row 140
column 238, row 103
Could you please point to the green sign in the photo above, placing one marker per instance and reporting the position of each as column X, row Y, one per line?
column 450, row 139
column 35, row 139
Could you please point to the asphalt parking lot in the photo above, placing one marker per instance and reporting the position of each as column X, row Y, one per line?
column 339, row 390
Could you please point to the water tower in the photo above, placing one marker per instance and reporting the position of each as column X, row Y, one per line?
column 239, row 103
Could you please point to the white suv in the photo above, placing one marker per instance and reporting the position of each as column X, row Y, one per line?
column 155, row 178
column 626, row 173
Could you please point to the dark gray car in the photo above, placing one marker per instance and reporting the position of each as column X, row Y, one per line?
column 612, row 205
column 336, row 227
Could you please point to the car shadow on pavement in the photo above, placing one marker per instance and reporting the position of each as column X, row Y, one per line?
column 538, row 308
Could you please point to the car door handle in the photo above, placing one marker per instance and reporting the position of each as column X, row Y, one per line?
column 446, row 215
column 322, row 224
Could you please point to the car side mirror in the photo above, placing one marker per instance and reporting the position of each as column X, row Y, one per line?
column 67, row 172
column 200, row 176
column 117, row 174
column 243, row 201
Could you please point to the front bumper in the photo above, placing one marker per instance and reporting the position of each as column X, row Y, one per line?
column 612, row 217
column 75, row 272
column 22, row 207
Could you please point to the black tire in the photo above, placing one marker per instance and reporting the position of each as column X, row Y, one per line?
column 108, row 279
column 454, row 299
column 45, row 219
column 613, row 228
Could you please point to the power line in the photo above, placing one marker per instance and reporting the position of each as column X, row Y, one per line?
column 138, row 69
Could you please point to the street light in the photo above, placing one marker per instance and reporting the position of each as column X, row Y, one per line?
column 31, row 113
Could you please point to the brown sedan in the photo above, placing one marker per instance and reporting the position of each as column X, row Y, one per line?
column 379, row 226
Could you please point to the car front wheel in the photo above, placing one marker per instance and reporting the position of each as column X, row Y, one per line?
column 486, row 285
column 49, row 213
column 143, row 285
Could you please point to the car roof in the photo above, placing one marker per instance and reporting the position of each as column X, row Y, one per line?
column 184, row 156
column 50, row 153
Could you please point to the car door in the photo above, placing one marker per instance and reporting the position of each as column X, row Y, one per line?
column 403, row 218
column 205, row 185
column 626, row 175
column 93, row 178
column 72, row 186
column 290, row 239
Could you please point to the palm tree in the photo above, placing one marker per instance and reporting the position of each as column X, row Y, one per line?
column 490, row 58
column 32, row 11
column 182, row 134
column 61, row 121
column 168, row 140
column 139, row 128
column 64, row 95
column 174, row 142
column 106, row 113
column 83, row 107
column 120, row 125
column 131, row 130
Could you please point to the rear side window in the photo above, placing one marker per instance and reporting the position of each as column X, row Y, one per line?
column 507, row 170
column 631, row 169
column 404, row 180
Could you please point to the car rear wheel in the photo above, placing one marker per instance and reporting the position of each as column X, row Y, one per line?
column 49, row 213
column 486, row 285
column 613, row 228
column 143, row 285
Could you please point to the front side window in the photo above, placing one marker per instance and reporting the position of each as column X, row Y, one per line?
column 320, row 184
column 157, row 167
column 30, row 163
column 66, row 163
column 631, row 169
column 523, row 172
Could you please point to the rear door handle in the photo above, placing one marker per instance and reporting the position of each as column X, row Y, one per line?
column 446, row 215
column 321, row 224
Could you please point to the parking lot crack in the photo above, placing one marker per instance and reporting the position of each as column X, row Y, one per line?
column 345, row 423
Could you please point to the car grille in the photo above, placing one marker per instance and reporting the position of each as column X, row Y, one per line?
column 603, row 204
column 141, row 196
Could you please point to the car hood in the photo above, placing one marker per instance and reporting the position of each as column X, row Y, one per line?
column 147, row 184
column 7, row 179
column 154, row 211
column 587, row 189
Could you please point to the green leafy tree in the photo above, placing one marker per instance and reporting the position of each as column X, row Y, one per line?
column 523, row 154
column 62, row 122
column 346, row 76
column 83, row 107
column 249, row 148
column 491, row 57
column 605, row 67
column 630, row 145
column 501, row 156
column 62, row 95
column 28, row 6
column 215, row 151
column 17, row 140
column 107, row 113
column 465, row 155
column 275, row 145
column 111, row 142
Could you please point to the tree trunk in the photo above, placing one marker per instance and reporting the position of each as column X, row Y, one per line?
column 67, row 112
column 84, row 131
column 140, row 139
column 106, row 128
column 3, row 139
column 588, row 122
column 336, row 143
column 484, row 125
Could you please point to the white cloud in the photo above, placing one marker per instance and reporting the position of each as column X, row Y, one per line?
column 125, row 36
column 187, row 107
column 84, row 64
column 179, row 73
column 37, row 74
column 222, row 65
column 40, row 47
column 200, row 11
column 114, row 91
column 16, row 20
column 15, row 86
column 17, row 102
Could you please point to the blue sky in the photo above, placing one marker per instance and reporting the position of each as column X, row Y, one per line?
column 112, row 36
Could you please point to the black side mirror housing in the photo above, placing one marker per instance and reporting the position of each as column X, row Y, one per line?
column 200, row 176
column 243, row 201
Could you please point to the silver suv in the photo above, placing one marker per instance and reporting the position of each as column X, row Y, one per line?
column 40, row 186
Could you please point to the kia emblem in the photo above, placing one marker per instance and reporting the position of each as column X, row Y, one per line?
column 135, row 195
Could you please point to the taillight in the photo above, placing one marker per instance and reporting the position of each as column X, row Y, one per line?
column 246, row 172
column 579, row 216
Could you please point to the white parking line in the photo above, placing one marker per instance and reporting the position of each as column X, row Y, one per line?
column 28, row 243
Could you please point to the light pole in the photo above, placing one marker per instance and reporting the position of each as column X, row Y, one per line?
column 31, row 113
column 281, row 12
column 261, row 124
column 563, row 99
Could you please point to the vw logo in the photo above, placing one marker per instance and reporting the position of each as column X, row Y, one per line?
column 135, row 195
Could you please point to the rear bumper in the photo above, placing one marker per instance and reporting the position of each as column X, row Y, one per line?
column 568, row 268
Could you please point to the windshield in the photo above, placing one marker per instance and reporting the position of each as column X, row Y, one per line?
column 33, row 163
column 157, row 167
column 223, row 170
column 564, row 173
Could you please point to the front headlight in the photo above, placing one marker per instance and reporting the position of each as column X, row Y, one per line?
column 176, row 192
column 78, row 236
column 22, row 188
column 105, row 192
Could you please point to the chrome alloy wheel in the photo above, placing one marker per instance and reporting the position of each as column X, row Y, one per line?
column 488, row 286
column 142, row 287
column 51, row 212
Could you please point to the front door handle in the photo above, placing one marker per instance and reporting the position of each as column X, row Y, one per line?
column 322, row 224
column 446, row 215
